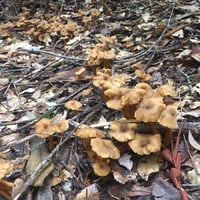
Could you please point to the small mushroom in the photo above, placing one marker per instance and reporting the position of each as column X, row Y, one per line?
column 89, row 132
column 100, row 55
column 123, row 130
column 44, row 128
column 101, row 168
column 133, row 96
column 145, row 144
column 61, row 126
column 150, row 110
column 105, row 148
column 73, row 105
column 149, row 92
column 101, row 78
column 167, row 90
column 168, row 117
column 106, row 81
column 143, row 76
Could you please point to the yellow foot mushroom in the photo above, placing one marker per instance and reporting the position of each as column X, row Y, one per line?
column 144, row 144
column 123, row 130
column 105, row 148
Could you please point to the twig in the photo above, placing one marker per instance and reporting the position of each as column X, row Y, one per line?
column 14, row 143
column 38, row 51
column 187, row 78
column 39, row 169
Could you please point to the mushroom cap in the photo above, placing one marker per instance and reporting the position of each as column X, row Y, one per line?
column 73, row 105
column 100, row 77
column 105, row 148
column 150, row 110
column 89, row 132
column 44, row 128
column 109, row 40
column 143, row 76
column 123, row 130
column 101, row 168
column 167, row 90
column 61, row 126
column 168, row 117
column 5, row 168
column 106, row 81
column 133, row 96
column 149, row 92
column 143, row 86
column 145, row 144
column 115, row 97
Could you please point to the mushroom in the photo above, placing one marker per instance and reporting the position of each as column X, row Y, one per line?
column 108, row 40
column 114, row 98
column 129, row 101
column 144, row 144
column 150, row 109
column 106, row 81
column 148, row 89
column 133, row 96
column 105, row 148
column 100, row 79
column 89, row 132
column 100, row 55
column 122, row 131
column 5, row 168
column 167, row 90
column 101, row 168
column 61, row 126
column 142, row 75
column 44, row 128
column 168, row 117
column 73, row 105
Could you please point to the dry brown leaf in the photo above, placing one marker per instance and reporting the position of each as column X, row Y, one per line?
column 88, row 193
column 147, row 165
column 39, row 152
column 192, row 141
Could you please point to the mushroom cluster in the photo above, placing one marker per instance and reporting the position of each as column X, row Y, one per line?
column 140, row 105
column 142, row 102
column 98, row 148
column 101, row 54
column 45, row 127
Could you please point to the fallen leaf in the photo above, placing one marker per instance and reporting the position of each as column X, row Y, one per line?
column 125, row 160
column 190, row 114
column 193, row 142
column 162, row 190
column 147, row 165
column 38, row 153
column 88, row 193
column 17, row 186
column 193, row 175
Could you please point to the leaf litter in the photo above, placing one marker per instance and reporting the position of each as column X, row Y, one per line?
column 56, row 53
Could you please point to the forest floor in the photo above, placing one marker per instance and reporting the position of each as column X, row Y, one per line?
column 103, row 55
